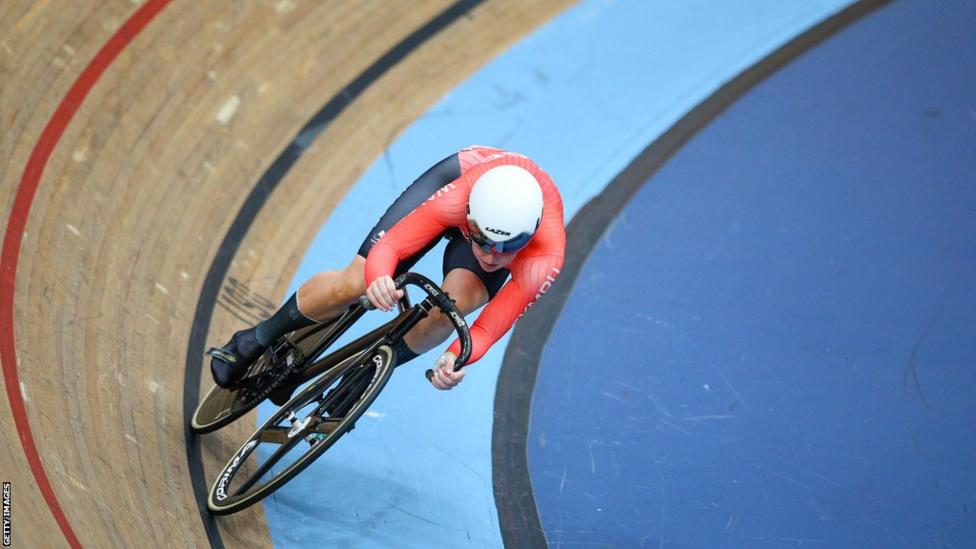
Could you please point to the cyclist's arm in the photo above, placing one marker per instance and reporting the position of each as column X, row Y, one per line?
column 529, row 282
column 408, row 237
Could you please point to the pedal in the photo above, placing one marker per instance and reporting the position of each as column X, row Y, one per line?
column 220, row 354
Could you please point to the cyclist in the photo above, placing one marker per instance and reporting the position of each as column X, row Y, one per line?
column 502, row 215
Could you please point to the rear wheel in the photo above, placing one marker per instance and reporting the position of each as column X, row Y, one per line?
column 300, row 431
column 222, row 406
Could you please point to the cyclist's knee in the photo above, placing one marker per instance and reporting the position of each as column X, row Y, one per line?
column 429, row 333
column 441, row 327
column 467, row 290
column 320, row 295
column 353, row 279
column 346, row 284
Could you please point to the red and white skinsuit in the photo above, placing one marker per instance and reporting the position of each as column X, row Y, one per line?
column 533, row 270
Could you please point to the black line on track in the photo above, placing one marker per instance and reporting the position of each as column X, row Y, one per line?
column 245, row 217
column 518, row 515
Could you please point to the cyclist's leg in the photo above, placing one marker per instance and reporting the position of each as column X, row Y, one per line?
column 467, row 283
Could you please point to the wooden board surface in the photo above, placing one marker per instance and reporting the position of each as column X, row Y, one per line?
column 139, row 193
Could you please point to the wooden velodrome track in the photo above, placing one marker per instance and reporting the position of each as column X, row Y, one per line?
column 104, row 266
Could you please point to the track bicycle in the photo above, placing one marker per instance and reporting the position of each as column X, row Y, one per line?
column 343, row 385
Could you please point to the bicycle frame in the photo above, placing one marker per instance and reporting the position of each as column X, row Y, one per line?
column 388, row 333
column 369, row 358
column 333, row 333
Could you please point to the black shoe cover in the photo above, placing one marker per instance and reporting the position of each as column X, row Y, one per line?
column 229, row 363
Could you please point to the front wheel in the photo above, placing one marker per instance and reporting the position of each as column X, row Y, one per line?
column 303, row 419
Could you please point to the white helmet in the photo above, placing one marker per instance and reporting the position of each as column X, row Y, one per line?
column 504, row 209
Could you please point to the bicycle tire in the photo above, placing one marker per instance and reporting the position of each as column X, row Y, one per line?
column 226, row 504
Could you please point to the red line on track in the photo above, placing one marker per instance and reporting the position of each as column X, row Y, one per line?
column 15, row 231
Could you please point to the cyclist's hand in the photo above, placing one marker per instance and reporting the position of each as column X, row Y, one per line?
column 383, row 293
column 445, row 378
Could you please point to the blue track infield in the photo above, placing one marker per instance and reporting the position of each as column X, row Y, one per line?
column 780, row 326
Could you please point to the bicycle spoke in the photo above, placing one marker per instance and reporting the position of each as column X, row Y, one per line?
column 276, row 435
column 266, row 466
column 325, row 426
column 279, row 435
